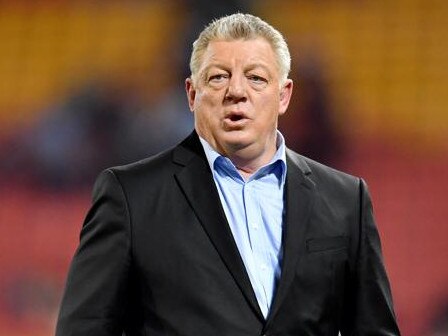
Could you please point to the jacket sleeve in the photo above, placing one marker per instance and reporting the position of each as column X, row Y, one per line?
column 94, row 301
column 370, row 308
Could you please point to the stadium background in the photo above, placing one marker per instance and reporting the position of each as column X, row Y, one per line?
column 89, row 84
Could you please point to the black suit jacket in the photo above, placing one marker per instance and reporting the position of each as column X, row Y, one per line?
column 157, row 257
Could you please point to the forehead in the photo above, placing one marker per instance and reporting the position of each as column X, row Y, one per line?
column 244, row 52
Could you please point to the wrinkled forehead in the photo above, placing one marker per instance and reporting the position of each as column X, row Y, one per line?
column 215, row 40
column 259, row 49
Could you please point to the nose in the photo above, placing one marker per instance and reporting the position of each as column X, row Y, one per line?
column 236, row 89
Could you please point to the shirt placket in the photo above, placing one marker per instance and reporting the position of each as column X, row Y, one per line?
column 257, row 241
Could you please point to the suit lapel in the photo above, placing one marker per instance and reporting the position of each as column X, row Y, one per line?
column 300, row 193
column 196, row 181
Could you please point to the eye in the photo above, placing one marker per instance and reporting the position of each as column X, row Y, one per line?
column 257, row 79
column 218, row 78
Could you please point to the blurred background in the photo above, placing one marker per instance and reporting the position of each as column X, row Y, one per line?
column 89, row 84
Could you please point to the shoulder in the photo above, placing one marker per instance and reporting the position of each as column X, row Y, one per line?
column 149, row 174
column 156, row 172
column 317, row 169
column 156, row 164
column 165, row 163
column 323, row 176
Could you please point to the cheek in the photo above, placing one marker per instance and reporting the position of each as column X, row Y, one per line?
column 206, row 109
column 270, row 106
column 206, row 100
column 208, row 105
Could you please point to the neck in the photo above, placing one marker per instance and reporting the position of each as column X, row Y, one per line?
column 247, row 163
column 247, row 159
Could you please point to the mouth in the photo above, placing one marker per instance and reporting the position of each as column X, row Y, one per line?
column 235, row 117
column 235, row 121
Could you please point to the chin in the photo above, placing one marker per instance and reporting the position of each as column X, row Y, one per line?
column 236, row 136
column 237, row 141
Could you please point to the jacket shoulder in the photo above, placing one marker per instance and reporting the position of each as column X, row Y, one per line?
column 323, row 175
column 147, row 165
column 163, row 164
column 150, row 171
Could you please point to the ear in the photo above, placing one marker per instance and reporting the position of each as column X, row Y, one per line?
column 191, row 93
column 285, row 96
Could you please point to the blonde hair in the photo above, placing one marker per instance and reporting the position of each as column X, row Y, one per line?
column 241, row 26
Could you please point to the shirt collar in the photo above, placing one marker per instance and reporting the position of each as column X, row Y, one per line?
column 280, row 155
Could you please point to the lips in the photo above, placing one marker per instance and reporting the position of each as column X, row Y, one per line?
column 235, row 116
column 235, row 120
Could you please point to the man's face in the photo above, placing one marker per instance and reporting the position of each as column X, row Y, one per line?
column 236, row 97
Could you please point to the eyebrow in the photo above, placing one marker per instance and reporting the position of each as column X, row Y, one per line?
column 258, row 65
column 220, row 66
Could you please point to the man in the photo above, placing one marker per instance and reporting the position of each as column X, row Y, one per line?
column 230, row 233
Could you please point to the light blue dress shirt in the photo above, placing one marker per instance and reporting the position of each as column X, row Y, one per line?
column 254, row 211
